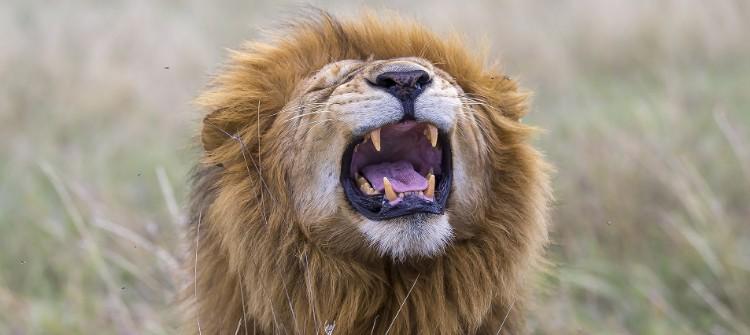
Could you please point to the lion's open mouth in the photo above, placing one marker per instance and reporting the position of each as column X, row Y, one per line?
column 397, row 170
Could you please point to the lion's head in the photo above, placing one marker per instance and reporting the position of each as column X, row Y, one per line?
column 375, row 154
column 373, row 142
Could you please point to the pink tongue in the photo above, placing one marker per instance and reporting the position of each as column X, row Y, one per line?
column 401, row 174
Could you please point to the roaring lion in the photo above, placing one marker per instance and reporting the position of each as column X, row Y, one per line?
column 364, row 177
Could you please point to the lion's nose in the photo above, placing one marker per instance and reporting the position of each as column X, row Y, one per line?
column 405, row 86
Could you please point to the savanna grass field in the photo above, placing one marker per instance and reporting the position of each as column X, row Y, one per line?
column 643, row 106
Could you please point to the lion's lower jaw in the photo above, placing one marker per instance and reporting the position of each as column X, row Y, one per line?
column 422, row 235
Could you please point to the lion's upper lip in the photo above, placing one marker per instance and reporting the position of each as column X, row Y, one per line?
column 397, row 169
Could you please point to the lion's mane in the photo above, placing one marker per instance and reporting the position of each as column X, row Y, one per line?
column 258, row 270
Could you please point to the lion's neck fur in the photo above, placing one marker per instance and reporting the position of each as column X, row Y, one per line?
column 297, row 288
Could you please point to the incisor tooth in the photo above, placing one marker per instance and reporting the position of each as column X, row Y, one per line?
column 433, row 135
column 430, row 191
column 375, row 136
column 389, row 193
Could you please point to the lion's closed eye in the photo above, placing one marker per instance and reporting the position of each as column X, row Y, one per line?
column 334, row 74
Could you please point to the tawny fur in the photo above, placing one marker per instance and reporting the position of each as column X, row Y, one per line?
column 258, row 268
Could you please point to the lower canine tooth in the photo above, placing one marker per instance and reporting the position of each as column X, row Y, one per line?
column 430, row 191
column 389, row 193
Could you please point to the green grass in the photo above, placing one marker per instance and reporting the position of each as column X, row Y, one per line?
column 645, row 106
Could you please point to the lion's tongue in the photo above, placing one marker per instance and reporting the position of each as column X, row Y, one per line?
column 401, row 174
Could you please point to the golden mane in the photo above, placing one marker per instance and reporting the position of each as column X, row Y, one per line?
column 256, row 268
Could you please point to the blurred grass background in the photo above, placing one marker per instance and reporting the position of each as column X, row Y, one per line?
column 645, row 105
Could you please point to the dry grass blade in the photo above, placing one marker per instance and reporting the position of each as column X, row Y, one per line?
column 94, row 251
column 195, row 269
column 719, row 308
column 739, row 147
column 374, row 322
column 242, row 299
column 168, row 193
column 402, row 304
column 507, row 314
column 139, row 241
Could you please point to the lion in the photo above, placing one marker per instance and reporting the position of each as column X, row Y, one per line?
column 364, row 176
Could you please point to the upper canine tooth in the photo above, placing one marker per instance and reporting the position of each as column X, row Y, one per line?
column 430, row 191
column 389, row 193
column 432, row 134
column 375, row 136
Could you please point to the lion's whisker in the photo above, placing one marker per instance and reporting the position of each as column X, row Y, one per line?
column 298, row 108
column 306, row 114
column 315, row 124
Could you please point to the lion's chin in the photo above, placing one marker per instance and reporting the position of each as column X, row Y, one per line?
column 419, row 235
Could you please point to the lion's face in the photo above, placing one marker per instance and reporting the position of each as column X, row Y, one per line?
column 388, row 148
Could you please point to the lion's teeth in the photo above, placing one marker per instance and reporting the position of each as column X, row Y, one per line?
column 375, row 136
column 369, row 190
column 432, row 135
column 365, row 186
column 389, row 193
column 430, row 191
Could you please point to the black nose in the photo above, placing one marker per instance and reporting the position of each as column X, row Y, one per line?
column 405, row 86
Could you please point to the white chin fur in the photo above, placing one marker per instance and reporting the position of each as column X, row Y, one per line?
column 421, row 235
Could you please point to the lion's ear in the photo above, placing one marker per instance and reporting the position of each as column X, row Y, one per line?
column 244, row 120
column 215, row 131
column 503, row 94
